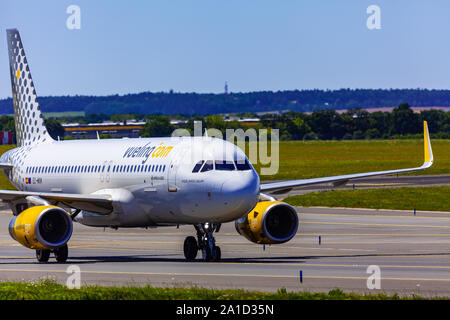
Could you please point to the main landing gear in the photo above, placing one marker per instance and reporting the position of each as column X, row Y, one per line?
column 61, row 253
column 205, row 241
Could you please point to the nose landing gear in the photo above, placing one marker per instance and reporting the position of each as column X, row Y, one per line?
column 205, row 242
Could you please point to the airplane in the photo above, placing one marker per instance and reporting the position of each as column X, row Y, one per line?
column 139, row 183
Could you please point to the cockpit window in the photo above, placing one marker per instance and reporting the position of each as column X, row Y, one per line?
column 198, row 166
column 242, row 165
column 225, row 165
column 208, row 166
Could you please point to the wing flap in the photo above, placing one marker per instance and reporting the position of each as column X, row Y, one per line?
column 96, row 203
column 6, row 166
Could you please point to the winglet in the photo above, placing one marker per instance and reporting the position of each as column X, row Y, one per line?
column 428, row 152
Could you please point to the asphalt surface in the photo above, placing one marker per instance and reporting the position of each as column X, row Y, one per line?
column 412, row 252
column 392, row 181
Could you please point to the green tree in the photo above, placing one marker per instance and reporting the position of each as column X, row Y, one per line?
column 122, row 117
column 216, row 122
column 55, row 129
column 158, row 127
column 404, row 120
column 435, row 118
column 7, row 123
column 299, row 128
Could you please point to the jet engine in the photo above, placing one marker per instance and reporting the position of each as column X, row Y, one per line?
column 270, row 222
column 41, row 227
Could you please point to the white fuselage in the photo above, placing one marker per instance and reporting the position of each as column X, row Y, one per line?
column 150, row 180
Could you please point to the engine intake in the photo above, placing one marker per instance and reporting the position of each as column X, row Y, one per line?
column 270, row 222
column 41, row 227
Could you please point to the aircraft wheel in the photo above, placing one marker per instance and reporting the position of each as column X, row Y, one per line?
column 42, row 255
column 190, row 248
column 61, row 253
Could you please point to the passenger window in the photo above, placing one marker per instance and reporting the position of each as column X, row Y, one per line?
column 198, row 166
column 224, row 165
column 208, row 166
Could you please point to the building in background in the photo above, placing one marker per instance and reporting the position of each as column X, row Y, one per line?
column 129, row 129
column 6, row 137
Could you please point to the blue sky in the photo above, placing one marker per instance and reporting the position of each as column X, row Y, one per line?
column 195, row 46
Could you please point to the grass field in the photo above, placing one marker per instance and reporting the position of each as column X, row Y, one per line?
column 311, row 159
column 50, row 290
column 426, row 199
column 64, row 114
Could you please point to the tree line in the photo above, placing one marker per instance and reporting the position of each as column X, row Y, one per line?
column 172, row 103
column 356, row 123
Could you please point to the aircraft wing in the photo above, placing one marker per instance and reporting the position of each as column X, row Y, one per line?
column 285, row 186
column 91, row 202
column 6, row 166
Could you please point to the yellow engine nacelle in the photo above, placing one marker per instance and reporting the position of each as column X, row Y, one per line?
column 41, row 227
column 270, row 222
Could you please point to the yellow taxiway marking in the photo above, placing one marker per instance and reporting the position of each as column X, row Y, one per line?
column 375, row 215
column 236, row 275
column 376, row 224
column 375, row 234
column 335, row 265
column 380, row 184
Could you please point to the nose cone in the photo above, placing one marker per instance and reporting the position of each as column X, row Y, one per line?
column 241, row 192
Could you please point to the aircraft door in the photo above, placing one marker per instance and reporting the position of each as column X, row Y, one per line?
column 172, row 172
column 108, row 170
